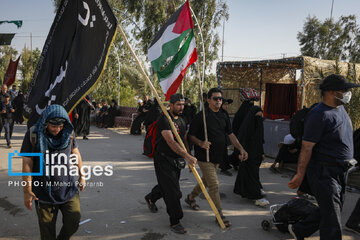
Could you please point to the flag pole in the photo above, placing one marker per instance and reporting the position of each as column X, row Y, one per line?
column 193, row 169
column 201, row 82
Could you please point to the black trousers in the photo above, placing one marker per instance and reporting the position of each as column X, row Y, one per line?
column 1, row 125
column 225, row 162
column 354, row 218
column 328, row 186
column 168, row 187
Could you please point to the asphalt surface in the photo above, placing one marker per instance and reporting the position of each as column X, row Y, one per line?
column 116, row 206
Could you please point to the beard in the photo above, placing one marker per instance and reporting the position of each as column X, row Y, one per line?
column 177, row 113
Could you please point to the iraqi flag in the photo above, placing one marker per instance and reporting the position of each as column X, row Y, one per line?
column 73, row 57
column 175, row 40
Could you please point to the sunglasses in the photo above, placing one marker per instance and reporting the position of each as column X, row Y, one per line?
column 217, row 98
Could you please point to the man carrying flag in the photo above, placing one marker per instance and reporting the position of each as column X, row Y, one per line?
column 169, row 155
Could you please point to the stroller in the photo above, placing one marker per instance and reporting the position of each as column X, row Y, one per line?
column 291, row 212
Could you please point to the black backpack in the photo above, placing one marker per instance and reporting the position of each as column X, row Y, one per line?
column 293, row 211
column 297, row 123
column 150, row 140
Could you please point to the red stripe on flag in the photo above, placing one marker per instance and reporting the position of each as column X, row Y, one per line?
column 10, row 74
column 184, row 21
column 174, row 87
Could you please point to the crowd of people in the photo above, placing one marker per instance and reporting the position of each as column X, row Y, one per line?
column 11, row 111
column 323, row 150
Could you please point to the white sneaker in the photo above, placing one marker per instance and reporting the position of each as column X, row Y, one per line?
column 263, row 202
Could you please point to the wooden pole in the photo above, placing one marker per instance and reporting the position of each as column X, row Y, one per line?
column 193, row 169
column 201, row 82
column 203, row 111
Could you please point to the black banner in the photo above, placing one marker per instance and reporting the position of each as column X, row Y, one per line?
column 73, row 56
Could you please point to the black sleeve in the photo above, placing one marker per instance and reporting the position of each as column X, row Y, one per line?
column 228, row 125
column 314, row 127
column 196, row 125
column 26, row 146
column 163, row 124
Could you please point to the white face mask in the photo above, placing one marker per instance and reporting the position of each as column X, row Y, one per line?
column 346, row 97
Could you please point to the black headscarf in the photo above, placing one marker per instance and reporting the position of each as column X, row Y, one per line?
column 240, row 116
column 251, row 133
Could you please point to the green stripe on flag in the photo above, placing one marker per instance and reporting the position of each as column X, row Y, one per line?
column 168, row 50
column 176, row 59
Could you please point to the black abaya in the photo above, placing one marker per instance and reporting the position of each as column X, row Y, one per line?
column 251, row 137
column 82, row 123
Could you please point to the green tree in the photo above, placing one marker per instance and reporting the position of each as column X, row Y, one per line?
column 152, row 15
column 331, row 40
column 27, row 65
column 6, row 53
column 143, row 19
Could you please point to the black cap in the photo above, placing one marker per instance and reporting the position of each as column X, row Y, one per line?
column 57, row 121
column 176, row 97
column 336, row 82
column 6, row 95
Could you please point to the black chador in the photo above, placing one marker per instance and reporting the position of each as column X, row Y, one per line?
column 251, row 137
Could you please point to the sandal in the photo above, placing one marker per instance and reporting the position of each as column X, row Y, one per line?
column 226, row 222
column 153, row 208
column 192, row 203
column 178, row 228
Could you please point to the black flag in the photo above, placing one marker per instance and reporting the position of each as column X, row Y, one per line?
column 73, row 56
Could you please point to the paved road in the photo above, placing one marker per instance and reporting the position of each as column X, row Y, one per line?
column 117, row 209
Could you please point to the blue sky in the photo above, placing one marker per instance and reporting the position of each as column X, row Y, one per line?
column 256, row 29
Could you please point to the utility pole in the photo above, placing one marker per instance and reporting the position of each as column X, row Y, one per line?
column 31, row 59
column 332, row 7
column 222, row 50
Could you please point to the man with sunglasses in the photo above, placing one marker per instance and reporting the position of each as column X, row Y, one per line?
column 326, row 154
column 218, row 128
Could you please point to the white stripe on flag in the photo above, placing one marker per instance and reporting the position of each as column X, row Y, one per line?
column 167, row 82
column 156, row 50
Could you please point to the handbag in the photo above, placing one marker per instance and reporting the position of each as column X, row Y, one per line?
column 179, row 163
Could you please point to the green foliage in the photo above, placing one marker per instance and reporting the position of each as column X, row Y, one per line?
column 27, row 66
column 6, row 53
column 353, row 108
column 331, row 40
column 143, row 19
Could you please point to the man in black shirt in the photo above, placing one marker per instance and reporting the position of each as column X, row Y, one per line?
column 218, row 128
column 7, row 117
column 2, row 99
column 168, row 161
column 327, row 147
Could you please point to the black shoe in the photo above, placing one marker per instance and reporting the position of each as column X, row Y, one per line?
column 353, row 228
column 85, row 138
column 178, row 228
column 9, row 145
column 152, row 206
column 226, row 172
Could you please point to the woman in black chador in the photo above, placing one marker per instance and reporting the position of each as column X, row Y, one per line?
column 236, row 124
column 251, row 137
column 81, row 118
